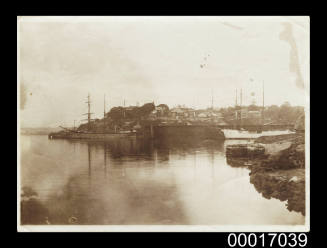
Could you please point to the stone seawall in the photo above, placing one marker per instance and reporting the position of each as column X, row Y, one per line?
column 278, row 138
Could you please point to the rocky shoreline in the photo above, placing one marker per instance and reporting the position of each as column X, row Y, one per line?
column 277, row 167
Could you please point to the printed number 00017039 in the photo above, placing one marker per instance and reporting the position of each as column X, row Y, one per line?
column 274, row 239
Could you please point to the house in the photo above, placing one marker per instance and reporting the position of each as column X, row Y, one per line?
column 244, row 113
column 190, row 113
column 203, row 115
column 254, row 114
column 209, row 115
column 178, row 112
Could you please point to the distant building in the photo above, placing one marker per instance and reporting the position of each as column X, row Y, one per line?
column 244, row 113
column 203, row 115
column 209, row 115
column 254, row 114
column 180, row 112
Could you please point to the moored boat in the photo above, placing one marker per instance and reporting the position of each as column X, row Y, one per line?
column 243, row 134
column 90, row 135
column 67, row 133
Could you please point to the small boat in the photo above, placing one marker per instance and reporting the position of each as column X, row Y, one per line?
column 242, row 134
column 245, row 134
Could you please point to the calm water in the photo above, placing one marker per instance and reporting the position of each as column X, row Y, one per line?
column 127, row 181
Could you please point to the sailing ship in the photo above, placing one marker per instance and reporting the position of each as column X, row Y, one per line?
column 239, row 131
column 67, row 133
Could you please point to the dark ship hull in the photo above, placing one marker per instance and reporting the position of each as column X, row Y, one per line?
column 97, row 136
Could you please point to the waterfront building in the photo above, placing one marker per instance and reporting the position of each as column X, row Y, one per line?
column 254, row 114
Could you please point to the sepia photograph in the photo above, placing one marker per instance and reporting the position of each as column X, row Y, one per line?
column 163, row 123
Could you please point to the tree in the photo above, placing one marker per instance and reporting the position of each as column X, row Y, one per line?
column 164, row 106
column 285, row 112
column 272, row 112
column 165, row 109
column 116, row 113
column 145, row 110
column 300, row 123
column 253, row 107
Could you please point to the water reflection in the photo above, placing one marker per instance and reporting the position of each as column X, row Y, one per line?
column 130, row 181
column 89, row 158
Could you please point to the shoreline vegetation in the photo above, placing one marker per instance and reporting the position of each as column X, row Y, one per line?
column 136, row 117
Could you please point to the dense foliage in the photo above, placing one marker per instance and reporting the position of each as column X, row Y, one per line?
column 120, row 118
column 118, row 113
column 284, row 114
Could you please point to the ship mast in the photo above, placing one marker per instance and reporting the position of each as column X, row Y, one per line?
column 124, row 109
column 104, row 113
column 241, row 107
column 236, row 114
column 212, row 117
column 263, row 102
column 88, row 112
column 212, row 99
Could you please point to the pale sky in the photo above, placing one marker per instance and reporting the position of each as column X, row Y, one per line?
column 145, row 59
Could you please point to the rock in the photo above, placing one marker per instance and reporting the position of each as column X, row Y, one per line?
column 282, row 185
column 294, row 179
column 245, row 150
column 237, row 162
column 292, row 157
column 300, row 124
column 274, row 148
column 300, row 148
column 277, row 167
column 275, row 138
